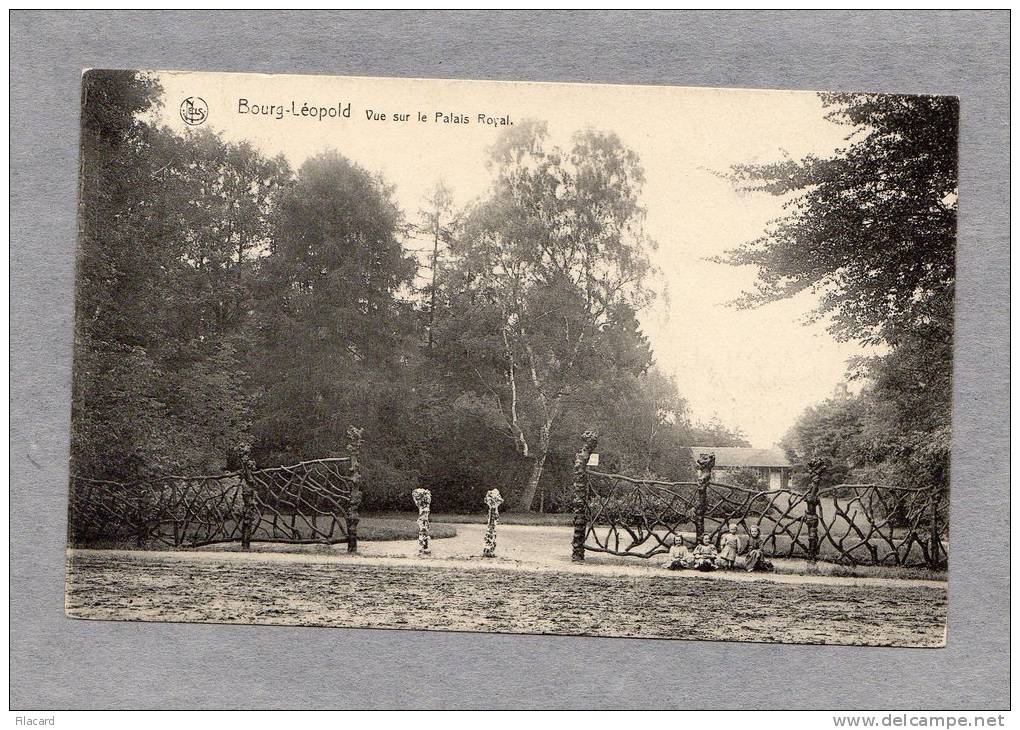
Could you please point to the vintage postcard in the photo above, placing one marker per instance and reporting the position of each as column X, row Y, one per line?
column 627, row 361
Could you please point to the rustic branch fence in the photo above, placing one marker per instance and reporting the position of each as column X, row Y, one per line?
column 313, row 501
column 848, row 524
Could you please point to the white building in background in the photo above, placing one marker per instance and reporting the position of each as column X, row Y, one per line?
column 772, row 463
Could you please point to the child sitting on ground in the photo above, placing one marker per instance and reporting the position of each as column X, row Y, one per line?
column 679, row 555
column 754, row 561
column 705, row 555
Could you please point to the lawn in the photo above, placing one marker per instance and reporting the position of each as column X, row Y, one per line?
column 370, row 529
column 505, row 518
column 399, row 528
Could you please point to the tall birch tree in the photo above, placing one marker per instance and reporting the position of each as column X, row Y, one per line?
column 554, row 252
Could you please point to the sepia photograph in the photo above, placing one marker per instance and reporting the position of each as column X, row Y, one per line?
column 513, row 357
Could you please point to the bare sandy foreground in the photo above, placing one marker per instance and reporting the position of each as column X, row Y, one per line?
column 530, row 588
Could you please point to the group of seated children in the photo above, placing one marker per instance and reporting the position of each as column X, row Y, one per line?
column 706, row 558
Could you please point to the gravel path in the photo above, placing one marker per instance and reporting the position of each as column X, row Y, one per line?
column 322, row 590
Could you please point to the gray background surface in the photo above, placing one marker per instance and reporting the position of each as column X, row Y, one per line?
column 58, row 663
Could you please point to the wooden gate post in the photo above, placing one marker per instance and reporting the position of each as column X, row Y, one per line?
column 705, row 463
column 247, row 502
column 589, row 440
column 817, row 468
column 354, row 444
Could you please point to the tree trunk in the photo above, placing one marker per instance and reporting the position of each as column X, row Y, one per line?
column 528, row 496
column 432, row 295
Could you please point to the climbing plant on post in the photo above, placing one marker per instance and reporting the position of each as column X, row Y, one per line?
column 423, row 501
column 817, row 471
column 589, row 440
column 354, row 444
column 493, row 499
column 705, row 464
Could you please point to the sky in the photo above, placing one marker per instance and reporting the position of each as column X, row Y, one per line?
column 753, row 369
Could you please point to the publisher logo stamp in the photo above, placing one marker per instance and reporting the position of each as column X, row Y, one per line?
column 194, row 111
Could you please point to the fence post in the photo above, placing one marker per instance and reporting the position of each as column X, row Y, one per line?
column 705, row 463
column 589, row 440
column 354, row 444
column 247, row 502
column 817, row 468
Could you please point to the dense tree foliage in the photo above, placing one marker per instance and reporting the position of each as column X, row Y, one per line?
column 227, row 304
column 833, row 432
column 332, row 336
column 168, row 225
column 873, row 230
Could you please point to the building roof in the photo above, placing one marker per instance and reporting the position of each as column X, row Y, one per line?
column 733, row 456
